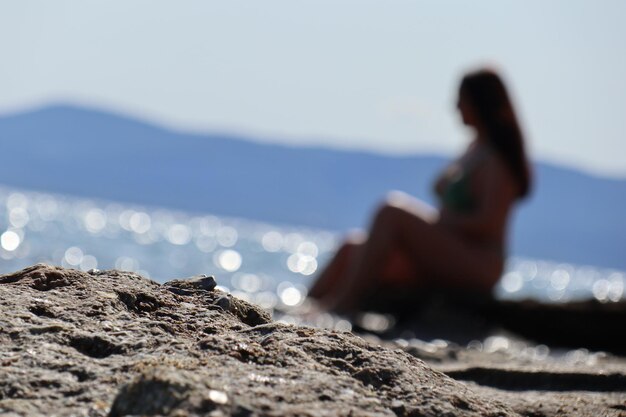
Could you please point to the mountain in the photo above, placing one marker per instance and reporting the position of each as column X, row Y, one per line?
column 571, row 216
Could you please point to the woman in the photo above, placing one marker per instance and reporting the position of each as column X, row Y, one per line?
column 412, row 248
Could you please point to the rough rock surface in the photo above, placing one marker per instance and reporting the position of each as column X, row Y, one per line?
column 114, row 344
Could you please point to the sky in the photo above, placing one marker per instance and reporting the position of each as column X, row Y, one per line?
column 370, row 75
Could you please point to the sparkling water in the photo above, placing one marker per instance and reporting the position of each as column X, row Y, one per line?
column 271, row 265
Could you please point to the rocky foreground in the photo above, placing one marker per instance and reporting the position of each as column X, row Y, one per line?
column 113, row 343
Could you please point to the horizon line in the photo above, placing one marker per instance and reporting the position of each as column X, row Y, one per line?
column 275, row 139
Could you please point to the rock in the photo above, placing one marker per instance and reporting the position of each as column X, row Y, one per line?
column 154, row 392
column 462, row 317
column 191, row 285
column 115, row 344
column 223, row 303
column 201, row 284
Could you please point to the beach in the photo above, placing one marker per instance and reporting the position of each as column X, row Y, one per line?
column 112, row 343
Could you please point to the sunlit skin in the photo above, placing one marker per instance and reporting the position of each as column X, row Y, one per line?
column 411, row 245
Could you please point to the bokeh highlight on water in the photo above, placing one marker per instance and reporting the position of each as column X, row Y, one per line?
column 271, row 265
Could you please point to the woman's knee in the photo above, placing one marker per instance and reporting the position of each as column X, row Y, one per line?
column 397, row 206
column 386, row 214
column 355, row 237
column 398, row 203
column 348, row 250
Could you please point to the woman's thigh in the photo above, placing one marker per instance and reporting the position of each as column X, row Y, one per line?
column 441, row 258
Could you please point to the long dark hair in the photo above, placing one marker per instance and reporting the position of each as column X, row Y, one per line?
column 488, row 97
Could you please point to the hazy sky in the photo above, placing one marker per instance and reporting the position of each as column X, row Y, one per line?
column 367, row 74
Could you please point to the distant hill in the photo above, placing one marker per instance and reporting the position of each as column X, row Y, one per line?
column 571, row 217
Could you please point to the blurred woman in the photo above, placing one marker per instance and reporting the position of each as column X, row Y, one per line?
column 413, row 248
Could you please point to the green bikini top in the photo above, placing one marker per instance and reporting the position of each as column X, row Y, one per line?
column 456, row 193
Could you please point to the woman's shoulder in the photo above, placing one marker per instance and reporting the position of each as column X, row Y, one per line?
column 475, row 156
column 495, row 171
column 482, row 155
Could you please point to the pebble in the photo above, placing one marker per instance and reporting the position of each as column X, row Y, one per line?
column 218, row 397
column 224, row 303
column 203, row 282
column 190, row 285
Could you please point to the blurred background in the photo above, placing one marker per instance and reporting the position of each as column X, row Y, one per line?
column 243, row 139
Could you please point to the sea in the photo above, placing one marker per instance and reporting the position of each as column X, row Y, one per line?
column 271, row 265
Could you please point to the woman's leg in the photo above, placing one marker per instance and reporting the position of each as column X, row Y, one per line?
column 405, row 249
column 328, row 281
column 438, row 258
column 391, row 233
